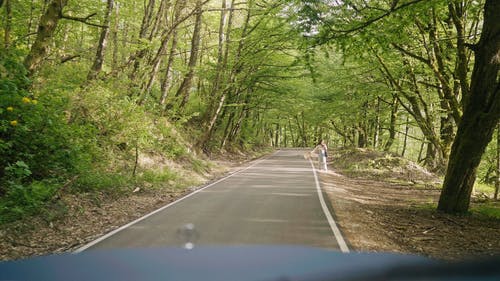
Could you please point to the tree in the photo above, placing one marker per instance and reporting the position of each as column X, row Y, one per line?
column 103, row 42
column 8, row 22
column 184, row 90
column 166, row 82
column 46, row 28
column 481, row 115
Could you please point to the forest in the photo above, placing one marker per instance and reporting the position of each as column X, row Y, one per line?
column 87, row 88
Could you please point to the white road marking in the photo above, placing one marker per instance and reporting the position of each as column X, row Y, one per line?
column 329, row 217
column 109, row 234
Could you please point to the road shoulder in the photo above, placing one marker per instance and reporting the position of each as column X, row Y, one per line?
column 380, row 215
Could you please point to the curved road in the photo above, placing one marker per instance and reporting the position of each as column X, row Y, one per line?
column 274, row 200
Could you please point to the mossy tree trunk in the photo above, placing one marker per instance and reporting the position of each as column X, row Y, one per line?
column 103, row 43
column 44, row 36
column 185, row 88
column 481, row 115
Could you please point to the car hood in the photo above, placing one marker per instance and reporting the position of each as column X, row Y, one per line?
column 232, row 263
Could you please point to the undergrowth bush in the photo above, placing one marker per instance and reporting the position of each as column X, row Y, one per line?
column 54, row 131
column 36, row 149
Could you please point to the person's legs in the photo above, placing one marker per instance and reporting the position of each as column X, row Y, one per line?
column 321, row 162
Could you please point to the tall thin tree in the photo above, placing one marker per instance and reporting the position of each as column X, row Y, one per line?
column 103, row 42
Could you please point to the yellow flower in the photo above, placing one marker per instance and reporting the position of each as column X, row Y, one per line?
column 13, row 122
column 34, row 101
column 10, row 108
column 26, row 100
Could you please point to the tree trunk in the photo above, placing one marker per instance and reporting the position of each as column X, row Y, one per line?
column 285, row 139
column 114, row 36
column 162, row 12
column 392, row 125
column 430, row 156
column 376, row 132
column 418, row 109
column 458, row 16
column 146, row 20
column 277, row 134
column 145, row 25
column 185, row 88
column 244, row 114
column 481, row 115
column 223, row 54
column 227, row 131
column 8, row 23
column 497, row 180
column 155, row 62
column 103, row 42
column 166, row 81
column 421, row 150
column 447, row 128
column 405, row 140
column 362, row 135
column 220, row 54
column 30, row 23
column 294, row 142
column 46, row 28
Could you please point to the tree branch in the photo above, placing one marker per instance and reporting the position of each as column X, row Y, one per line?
column 84, row 20
column 373, row 20
column 410, row 54
column 68, row 58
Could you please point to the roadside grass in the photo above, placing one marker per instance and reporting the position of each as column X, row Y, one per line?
column 430, row 206
column 489, row 209
column 42, row 198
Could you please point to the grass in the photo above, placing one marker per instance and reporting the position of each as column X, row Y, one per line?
column 489, row 209
column 104, row 181
column 159, row 178
column 484, row 188
column 429, row 206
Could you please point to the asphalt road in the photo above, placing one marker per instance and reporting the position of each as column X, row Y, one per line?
column 273, row 200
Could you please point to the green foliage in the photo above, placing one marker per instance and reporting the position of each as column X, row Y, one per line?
column 487, row 169
column 484, row 188
column 98, row 180
column 161, row 178
column 23, row 200
column 490, row 210
column 35, row 143
column 32, row 130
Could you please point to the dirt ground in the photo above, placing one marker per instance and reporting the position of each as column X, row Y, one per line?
column 388, row 207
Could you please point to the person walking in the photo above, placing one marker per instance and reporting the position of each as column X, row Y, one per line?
column 322, row 151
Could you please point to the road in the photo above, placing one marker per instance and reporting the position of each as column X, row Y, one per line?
column 273, row 200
